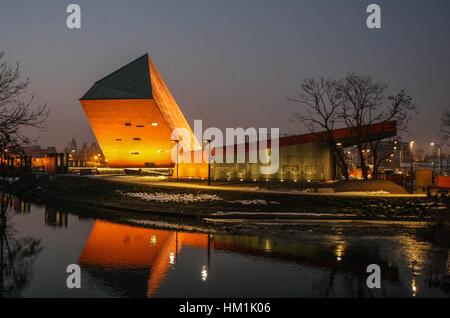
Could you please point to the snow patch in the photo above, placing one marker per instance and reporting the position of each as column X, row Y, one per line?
column 250, row 202
column 356, row 193
column 178, row 198
column 190, row 198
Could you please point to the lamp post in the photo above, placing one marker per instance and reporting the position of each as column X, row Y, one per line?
column 177, row 141
column 208, row 142
column 438, row 149
column 411, row 147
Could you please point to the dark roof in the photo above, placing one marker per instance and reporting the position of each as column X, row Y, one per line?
column 129, row 82
column 346, row 136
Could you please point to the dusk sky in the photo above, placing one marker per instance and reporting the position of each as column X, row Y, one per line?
column 231, row 63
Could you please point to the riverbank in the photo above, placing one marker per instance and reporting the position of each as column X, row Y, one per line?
column 207, row 203
column 378, row 188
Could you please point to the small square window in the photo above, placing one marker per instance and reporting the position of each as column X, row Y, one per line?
column 127, row 124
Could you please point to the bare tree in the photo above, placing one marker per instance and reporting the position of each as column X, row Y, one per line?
column 365, row 105
column 17, row 111
column 321, row 107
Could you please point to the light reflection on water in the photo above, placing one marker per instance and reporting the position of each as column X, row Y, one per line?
column 120, row 260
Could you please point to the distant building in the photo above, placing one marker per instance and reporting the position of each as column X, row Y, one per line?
column 85, row 156
column 45, row 159
column 36, row 151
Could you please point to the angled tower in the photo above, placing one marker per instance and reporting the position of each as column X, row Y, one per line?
column 132, row 114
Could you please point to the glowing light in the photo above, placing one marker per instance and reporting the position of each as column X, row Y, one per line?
column 172, row 258
column 339, row 252
column 414, row 287
column 153, row 240
column 154, row 124
column 267, row 245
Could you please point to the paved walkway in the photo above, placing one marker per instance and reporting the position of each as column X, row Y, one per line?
column 161, row 182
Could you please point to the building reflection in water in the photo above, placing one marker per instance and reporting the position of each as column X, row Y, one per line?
column 114, row 246
column 426, row 263
column 416, row 257
column 121, row 248
column 21, row 206
column 56, row 217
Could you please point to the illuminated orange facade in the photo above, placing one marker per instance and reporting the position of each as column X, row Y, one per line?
column 132, row 114
column 115, row 246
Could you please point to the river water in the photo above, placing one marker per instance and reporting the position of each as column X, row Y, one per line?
column 122, row 260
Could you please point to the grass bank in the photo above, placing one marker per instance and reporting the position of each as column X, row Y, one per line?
column 152, row 199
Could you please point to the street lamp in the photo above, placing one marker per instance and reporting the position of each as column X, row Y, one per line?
column 177, row 141
column 411, row 148
column 208, row 142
